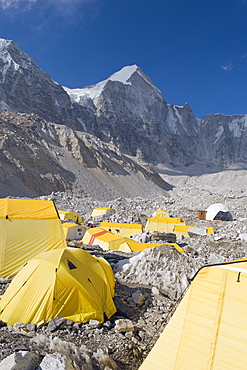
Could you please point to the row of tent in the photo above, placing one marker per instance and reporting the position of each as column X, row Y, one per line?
column 107, row 240
column 160, row 222
column 35, row 226
column 29, row 227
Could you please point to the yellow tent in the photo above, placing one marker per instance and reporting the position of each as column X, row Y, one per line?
column 161, row 213
column 123, row 229
column 69, row 215
column 102, row 211
column 209, row 328
column 73, row 231
column 133, row 246
column 165, row 224
column 27, row 228
column 103, row 238
column 179, row 230
column 65, row 282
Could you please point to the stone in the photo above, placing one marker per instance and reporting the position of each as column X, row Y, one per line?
column 31, row 327
column 22, row 360
column 19, row 325
column 41, row 324
column 123, row 308
column 56, row 323
column 56, row 361
column 243, row 237
column 94, row 324
column 77, row 324
column 124, row 325
column 155, row 291
column 138, row 298
column 197, row 231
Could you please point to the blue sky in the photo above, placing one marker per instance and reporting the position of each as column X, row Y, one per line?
column 194, row 51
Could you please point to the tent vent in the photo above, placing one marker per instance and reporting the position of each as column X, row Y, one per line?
column 71, row 265
column 238, row 280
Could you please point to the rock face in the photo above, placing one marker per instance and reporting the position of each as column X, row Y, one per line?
column 38, row 157
column 132, row 113
column 223, row 140
column 26, row 88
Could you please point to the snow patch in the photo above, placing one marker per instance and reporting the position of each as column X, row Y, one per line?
column 6, row 58
column 172, row 119
column 237, row 127
column 83, row 124
column 218, row 133
column 5, row 107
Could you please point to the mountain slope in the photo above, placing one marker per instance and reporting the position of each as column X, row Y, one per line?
column 38, row 157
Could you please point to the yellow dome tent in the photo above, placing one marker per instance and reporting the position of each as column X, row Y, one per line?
column 27, row 228
column 69, row 215
column 65, row 282
column 209, row 328
column 102, row 211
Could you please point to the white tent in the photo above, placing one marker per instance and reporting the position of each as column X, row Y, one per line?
column 219, row 211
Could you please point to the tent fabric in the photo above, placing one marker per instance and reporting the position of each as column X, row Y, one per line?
column 161, row 213
column 123, row 229
column 209, row 328
column 69, row 215
column 133, row 246
column 102, row 211
column 165, row 224
column 73, row 231
column 27, row 228
column 219, row 211
column 65, row 282
column 103, row 238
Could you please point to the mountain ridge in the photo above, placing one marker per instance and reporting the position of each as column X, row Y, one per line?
column 125, row 110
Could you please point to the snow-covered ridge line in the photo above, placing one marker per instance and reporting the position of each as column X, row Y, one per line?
column 82, row 94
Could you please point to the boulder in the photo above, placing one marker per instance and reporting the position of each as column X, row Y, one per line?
column 22, row 360
column 124, row 325
column 56, row 361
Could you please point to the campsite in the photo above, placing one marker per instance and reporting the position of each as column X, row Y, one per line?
column 148, row 285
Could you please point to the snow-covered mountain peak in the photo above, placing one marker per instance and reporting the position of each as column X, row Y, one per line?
column 93, row 91
column 4, row 44
column 123, row 76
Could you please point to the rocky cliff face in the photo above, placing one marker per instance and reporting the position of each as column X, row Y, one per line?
column 38, row 157
column 223, row 140
column 26, row 88
column 132, row 113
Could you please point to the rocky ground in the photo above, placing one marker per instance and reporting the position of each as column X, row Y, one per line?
column 149, row 284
